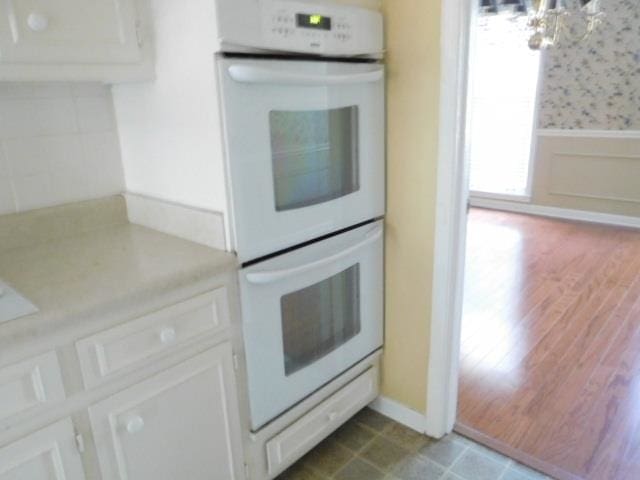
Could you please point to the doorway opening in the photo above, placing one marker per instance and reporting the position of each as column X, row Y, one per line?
column 549, row 341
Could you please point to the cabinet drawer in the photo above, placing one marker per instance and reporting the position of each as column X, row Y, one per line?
column 30, row 384
column 294, row 441
column 139, row 341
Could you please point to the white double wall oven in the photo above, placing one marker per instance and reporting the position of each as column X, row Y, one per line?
column 305, row 154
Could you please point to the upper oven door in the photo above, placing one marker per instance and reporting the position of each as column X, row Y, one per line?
column 305, row 149
column 309, row 315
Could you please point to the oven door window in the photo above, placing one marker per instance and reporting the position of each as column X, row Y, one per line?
column 314, row 155
column 320, row 318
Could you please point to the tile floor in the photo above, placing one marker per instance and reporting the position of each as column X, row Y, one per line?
column 373, row 447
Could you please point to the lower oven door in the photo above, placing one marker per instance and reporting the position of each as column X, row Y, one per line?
column 309, row 315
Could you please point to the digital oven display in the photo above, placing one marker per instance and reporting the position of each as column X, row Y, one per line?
column 318, row 22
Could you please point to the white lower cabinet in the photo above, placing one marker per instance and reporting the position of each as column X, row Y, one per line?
column 181, row 424
column 48, row 454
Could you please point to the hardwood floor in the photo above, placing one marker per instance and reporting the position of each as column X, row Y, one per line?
column 550, row 353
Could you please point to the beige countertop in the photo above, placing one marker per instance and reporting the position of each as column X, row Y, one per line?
column 83, row 282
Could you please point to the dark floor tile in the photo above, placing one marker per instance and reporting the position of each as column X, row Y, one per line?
column 445, row 451
column 488, row 452
column 511, row 474
column 461, row 439
column 451, row 476
column 358, row 469
column 405, row 437
column 416, row 468
column 353, row 435
column 328, row 457
column 372, row 419
column 384, row 454
column 473, row 465
column 300, row 472
column 518, row 471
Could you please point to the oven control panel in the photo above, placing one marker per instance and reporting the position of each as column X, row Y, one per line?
column 305, row 27
column 297, row 26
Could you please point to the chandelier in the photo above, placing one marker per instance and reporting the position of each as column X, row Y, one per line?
column 553, row 20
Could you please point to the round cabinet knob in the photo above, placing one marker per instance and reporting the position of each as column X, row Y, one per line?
column 135, row 425
column 37, row 22
column 168, row 335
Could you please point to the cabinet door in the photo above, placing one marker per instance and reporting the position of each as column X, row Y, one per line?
column 72, row 31
column 49, row 454
column 182, row 423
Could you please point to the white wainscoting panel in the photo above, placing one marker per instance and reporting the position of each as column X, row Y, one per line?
column 590, row 170
column 603, row 176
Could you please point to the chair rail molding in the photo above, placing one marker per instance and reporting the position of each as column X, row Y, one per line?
column 622, row 134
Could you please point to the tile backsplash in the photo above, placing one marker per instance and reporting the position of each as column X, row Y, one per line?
column 58, row 144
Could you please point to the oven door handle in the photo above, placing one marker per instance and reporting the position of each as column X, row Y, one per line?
column 249, row 74
column 262, row 278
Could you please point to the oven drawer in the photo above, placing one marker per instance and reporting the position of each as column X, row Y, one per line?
column 29, row 385
column 293, row 442
column 138, row 342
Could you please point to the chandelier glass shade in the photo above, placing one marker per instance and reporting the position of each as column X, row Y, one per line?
column 553, row 20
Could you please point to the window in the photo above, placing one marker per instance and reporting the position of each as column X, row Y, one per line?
column 320, row 318
column 314, row 155
column 502, row 108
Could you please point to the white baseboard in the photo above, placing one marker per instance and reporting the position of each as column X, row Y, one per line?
column 400, row 413
column 197, row 225
column 554, row 212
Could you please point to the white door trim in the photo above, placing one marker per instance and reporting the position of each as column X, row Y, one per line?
column 451, row 206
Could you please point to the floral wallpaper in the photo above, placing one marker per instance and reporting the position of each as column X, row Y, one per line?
column 596, row 84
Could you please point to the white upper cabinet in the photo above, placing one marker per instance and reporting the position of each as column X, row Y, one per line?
column 180, row 424
column 81, row 40
column 72, row 31
column 69, row 31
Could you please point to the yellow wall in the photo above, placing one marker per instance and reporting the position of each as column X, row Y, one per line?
column 374, row 4
column 413, row 60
